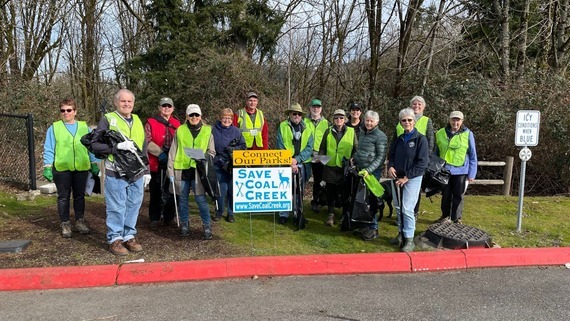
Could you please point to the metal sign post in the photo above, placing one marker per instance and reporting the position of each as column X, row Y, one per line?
column 526, row 134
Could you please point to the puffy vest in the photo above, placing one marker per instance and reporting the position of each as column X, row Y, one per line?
column 249, row 130
column 318, row 131
column 70, row 154
column 158, row 135
column 135, row 132
column 184, row 139
column 421, row 126
column 452, row 150
column 287, row 135
column 340, row 150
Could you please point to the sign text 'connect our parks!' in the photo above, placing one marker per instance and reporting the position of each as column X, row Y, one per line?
column 262, row 189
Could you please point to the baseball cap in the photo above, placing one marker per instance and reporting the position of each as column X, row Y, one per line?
column 456, row 114
column 339, row 112
column 316, row 102
column 355, row 106
column 251, row 94
column 166, row 101
column 193, row 108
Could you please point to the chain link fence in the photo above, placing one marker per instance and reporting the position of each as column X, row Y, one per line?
column 17, row 151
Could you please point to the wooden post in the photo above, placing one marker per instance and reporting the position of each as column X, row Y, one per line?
column 508, row 175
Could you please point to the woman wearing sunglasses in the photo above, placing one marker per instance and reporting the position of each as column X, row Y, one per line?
column 456, row 144
column 67, row 163
column 407, row 163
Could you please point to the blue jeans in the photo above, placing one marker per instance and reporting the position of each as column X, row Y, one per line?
column 226, row 190
column 183, row 208
column 303, row 170
column 123, row 201
column 410, row 194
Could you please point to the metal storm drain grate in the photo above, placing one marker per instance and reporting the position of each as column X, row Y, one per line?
column 457, row 236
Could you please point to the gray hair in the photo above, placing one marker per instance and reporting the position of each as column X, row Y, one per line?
column 418, row 98
column 124, row 90
column 372, row 114
column 406, row 112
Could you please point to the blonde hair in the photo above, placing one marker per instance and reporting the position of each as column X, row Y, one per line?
column 226, row 112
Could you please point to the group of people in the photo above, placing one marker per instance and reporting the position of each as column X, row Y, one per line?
column 174, row 157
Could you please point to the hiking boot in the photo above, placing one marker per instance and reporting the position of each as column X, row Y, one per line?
column 81, row 226
column 330, row 220
column 282, row 220
column 153, row 225
column 408, row 244
column 133, row 246
column 370, row 235
column 360, row 231
column 207, row 233
column 184, row 230
column 66, row 229
column 230, row 218
column 217, row 217
column 397, row 240
column 443, row 219
column 118, row 248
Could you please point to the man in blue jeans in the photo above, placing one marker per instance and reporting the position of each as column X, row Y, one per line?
column 123, row 196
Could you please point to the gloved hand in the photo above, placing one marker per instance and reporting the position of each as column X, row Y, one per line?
column 171, row 178
column 94, row 169
column 363, row 173
column 127, row 145
column 48, row 174
column 146, row 180
column 163, row 158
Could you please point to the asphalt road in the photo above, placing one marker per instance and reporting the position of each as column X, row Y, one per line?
column 484, row 294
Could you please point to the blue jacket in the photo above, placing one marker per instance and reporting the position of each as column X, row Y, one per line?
column 223, row 136
column 470, row 165
column 409, row 158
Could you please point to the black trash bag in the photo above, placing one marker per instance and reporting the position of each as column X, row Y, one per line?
column 361, row 212
column 127, row 163
column 208, row 178
column 436, row 176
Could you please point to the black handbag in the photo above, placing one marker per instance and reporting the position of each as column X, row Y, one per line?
column 436, row 175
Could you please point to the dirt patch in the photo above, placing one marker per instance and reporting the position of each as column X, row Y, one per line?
column 48, row 248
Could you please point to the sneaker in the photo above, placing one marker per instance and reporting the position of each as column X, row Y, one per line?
column 217, row 217
column 230, row 218
column 443, row 219
column 118, row 248
column 81, row 226
column 370, row 235
column 184, row 230
column 133, row 246
column 330, row 220
column 153, row 225
column 458, row 221
column 66, row 229
column 282, row 220
column 207, row 233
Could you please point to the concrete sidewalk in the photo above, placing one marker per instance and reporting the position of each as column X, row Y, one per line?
column 137, row 273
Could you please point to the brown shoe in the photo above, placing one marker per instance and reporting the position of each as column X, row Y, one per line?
column 133, row 246
column 81, row 226
column 117, row 248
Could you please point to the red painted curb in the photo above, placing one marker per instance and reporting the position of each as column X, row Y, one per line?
column 58, row 277
column 437, row 261
column 503, row 257
column 264, row 266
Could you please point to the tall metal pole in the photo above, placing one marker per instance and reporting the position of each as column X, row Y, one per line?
column 521, row 195
column 31, row 151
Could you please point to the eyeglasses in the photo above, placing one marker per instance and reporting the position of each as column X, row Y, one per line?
column 406, row 120
column 227, row 118
column 338, row 117
column 166, row 106
column 317, row 106
column 194, row 115
column 66, row 110
column 296, row 114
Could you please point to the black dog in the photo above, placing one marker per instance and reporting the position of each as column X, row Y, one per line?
column 385, row 199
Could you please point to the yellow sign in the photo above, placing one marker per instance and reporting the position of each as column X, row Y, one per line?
column 261, row 157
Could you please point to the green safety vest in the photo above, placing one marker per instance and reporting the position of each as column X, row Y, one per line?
column 249, row 130
column 318, row 131
column 135, row 132
column 70, row 154
column 287, row 135
column 340, row 150
column 453, row 150
column 184, row 139
column 421, row 126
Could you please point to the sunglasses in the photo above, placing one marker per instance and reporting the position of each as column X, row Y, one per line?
column 406, row 120
column 296, row 114
column 338, row 117
column 194, row 115
column 166, row 106
column 66, row 110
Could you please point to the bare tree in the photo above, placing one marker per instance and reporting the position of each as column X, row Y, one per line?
column 407, row 16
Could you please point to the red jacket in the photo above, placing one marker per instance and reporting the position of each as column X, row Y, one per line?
column 156, row 132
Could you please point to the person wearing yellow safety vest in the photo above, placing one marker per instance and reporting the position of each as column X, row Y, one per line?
column 67, row 163
column 339, row 143
column 369, row 159
column 123, row 197
column 317, row 124
column 455, row 144
column 294, row 135
column 252, row 123
column 193, row 134
column 424, row 125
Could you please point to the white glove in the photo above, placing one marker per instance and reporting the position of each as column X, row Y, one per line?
column 146, row 180
column 127, row 145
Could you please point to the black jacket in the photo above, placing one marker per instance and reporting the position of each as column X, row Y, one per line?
column 409, row 158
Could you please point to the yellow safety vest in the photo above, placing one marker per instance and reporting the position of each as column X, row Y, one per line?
column 343, row 149
column 135, row 132
column 453, row 150
column 318, row 131
column 249, row 130
column 421, row 126
column 287, row 135
column 70, row 154
column 184, row 139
